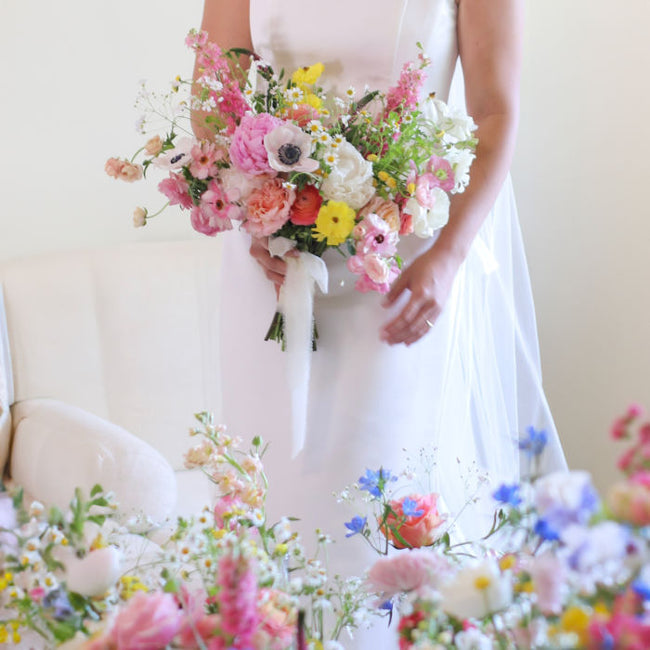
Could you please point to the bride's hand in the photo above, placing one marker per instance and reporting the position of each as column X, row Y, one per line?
column 428, row 279
column 275, row 268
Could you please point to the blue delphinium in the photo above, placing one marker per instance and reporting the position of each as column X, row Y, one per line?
column 356, row 525
column 508, row 494
column 409, row 508
column 535, row 443
column 375, row 482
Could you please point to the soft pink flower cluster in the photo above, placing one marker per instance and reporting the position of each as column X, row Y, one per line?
column 123, row 170
column 374, row 261
column 404, row 96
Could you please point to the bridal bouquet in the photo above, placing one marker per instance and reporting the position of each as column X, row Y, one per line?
column 284, row 159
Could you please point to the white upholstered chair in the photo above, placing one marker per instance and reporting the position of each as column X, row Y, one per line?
column 105, row 355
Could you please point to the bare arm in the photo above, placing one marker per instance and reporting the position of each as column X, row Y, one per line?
column 489, row 36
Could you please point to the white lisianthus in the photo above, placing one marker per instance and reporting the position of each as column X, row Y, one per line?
column 351, row 178
column 461, row 161
column 472, row 639
column 427, row 220
column 476, row 591
column 567, row 490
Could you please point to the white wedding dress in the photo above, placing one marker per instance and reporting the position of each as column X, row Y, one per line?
column 469, row 388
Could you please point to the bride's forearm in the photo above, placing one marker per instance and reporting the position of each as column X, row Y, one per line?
column 496, row 134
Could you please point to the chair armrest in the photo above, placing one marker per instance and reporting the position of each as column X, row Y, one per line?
column 58, row 447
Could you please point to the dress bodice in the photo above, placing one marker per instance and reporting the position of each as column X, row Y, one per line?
column 360, row 42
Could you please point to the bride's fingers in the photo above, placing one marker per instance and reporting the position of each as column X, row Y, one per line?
column 398, row 328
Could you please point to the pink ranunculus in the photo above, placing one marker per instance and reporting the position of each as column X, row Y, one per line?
column 237, row 185
column 377, row 268
column 247, row 150
column 549, row 576
column 408, row 571
column 406, row 223
column 421, row 528
column 123, row 170
column 148, row 622
column 268, row 208
column 177, row 190
column 355, row 264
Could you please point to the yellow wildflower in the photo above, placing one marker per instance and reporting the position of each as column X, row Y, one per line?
column 315, row 644
column 5, row 580
column 130, row 585
column 281, row 549
column 313, row 100
column 509, row 560
column 576, row 620
column 98, row 542
column 308, row 75
column 219, row 534
column 334, row 222
column 410, row 188
column 372, row 157
column 383, row 176
column 4, row 635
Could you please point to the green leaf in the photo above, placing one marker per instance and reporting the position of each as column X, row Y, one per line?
column 96, row 489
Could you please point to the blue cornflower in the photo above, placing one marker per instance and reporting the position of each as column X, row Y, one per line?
column 508, row 494
column 374, row 482
column 642, row 588
column 409, row 508
column 545, row 530
column 387, row 605
column 535, row 443
column 57, row 601
column 355, row 525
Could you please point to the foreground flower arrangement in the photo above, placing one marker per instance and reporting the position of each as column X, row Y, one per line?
column 560, row 568
column 283, row 158
column 224, row 579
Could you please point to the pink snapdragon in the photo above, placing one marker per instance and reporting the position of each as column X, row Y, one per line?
column 238, row 599
column 177, row 190
column 247, row 150
column 404, row 96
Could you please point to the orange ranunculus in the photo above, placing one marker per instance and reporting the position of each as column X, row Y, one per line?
column 306, row 206
column 413, row 522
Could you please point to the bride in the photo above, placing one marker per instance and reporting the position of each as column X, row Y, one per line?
column 448, row 360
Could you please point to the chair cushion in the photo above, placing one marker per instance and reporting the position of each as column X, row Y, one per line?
column 58, row 447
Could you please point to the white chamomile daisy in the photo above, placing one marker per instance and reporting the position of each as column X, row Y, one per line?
column 330, row 158
column 293, row 94
column 314, row 127
column 324, row 138
column 350, row 92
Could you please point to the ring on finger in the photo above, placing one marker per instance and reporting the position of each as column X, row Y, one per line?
column 428, row 322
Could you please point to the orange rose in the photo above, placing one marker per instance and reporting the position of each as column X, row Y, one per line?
column 413, row 521
column 306, row 206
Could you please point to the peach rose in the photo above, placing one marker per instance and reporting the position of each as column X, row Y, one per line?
column 413, row 522
column 306, row 206
column 383, row 208
column 629, row 501
column 153, row 146
column 268, row 208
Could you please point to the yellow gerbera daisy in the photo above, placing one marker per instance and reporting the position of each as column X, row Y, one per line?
column 307, row 76
column 334, row 222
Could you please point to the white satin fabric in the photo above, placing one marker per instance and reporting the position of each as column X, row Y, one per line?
column 468, row 389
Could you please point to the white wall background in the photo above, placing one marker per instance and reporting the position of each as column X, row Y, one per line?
column 69, row 76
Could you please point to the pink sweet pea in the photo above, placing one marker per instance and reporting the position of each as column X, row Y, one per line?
column 149, row 622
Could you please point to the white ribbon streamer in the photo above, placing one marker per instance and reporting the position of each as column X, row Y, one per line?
column 296, row 304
